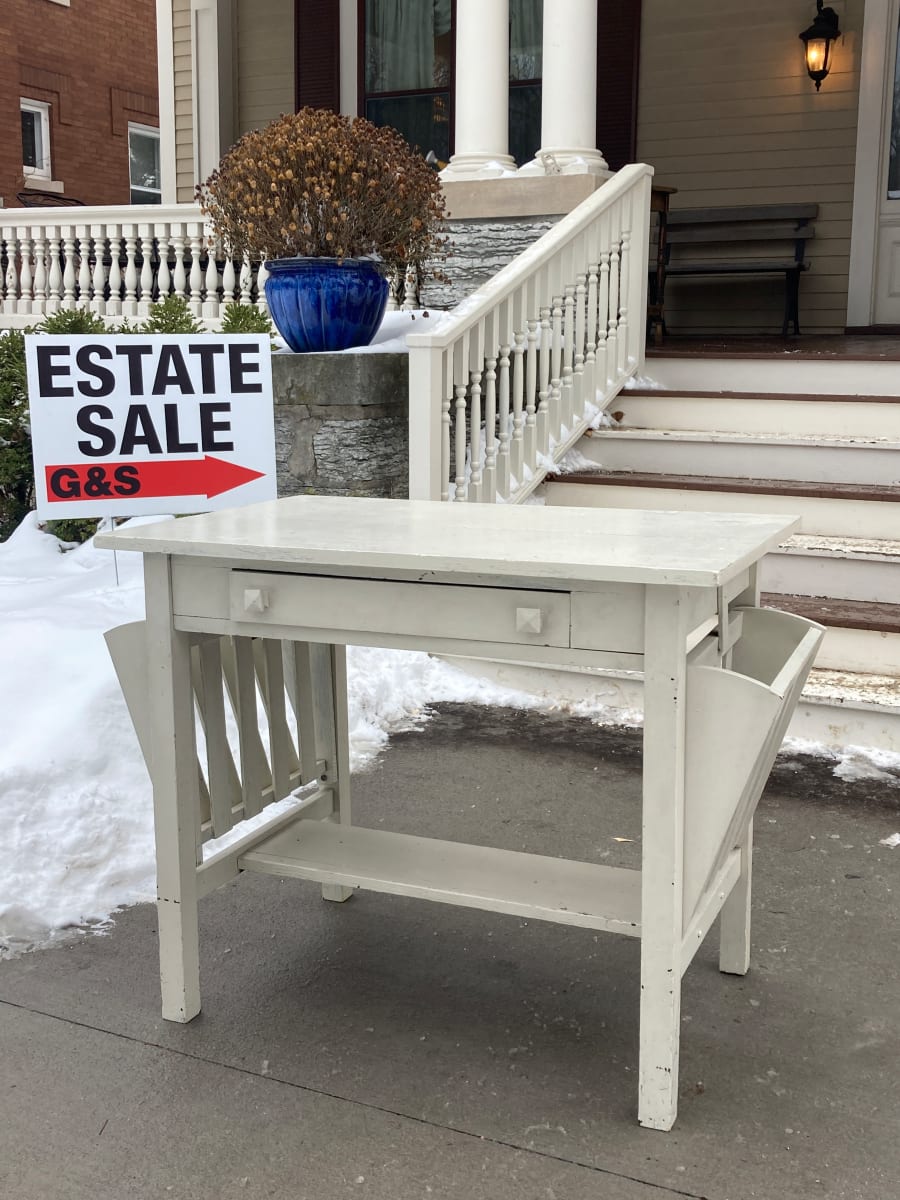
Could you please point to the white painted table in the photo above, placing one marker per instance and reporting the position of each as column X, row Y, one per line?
column 258, row 603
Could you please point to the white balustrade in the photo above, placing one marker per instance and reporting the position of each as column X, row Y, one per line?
column 116, row 262
column 525, row 365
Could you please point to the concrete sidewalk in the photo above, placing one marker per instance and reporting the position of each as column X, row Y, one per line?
column 392, row 1049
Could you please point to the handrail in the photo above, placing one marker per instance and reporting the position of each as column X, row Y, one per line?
column 525, row 364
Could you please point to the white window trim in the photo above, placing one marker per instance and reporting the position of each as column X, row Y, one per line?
column 43, row 111
column 64, row 3
column 146, row 131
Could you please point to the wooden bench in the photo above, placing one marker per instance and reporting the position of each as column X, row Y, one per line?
column 784, row 229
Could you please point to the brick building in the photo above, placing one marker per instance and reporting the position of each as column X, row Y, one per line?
column 82, row 89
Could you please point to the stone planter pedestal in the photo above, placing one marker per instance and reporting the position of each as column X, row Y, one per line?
column 341, row 424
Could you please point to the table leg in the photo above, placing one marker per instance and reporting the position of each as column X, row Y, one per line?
column 734, row 921
column 340, row 768
column 175, row 796
column 662, row 856
column 324, row 732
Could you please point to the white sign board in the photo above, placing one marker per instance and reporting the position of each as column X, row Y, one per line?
column 134, row 424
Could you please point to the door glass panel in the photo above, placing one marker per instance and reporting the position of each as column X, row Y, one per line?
column 524, row 122
column 423, row 120
column 526, row 33
column 408, row 45
column 893, row 187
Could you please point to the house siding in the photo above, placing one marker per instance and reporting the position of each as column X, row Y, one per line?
column 184, row 103
column 265, row 41
column 95, row 85
column 728, row 115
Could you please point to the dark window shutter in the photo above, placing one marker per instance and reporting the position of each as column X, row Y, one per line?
column 317, row 39
column 618, row 50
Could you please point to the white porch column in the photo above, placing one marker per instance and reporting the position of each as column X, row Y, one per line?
column 482, row 91
column 165, row 59
column 569, row 92
column 212, row 82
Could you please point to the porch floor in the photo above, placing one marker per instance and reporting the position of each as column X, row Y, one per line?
column 856, row 346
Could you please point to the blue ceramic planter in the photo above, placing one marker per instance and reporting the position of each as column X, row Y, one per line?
column 324, row 304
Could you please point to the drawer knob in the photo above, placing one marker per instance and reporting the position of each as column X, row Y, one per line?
column 256, row 600
column 529, row 620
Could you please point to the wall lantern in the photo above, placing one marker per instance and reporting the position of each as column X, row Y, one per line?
column 818, row 41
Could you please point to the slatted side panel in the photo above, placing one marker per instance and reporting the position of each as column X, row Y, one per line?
column 258, row 717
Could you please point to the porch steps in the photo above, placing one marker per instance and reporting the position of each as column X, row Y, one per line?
column 789, row 371
column 849, row 510
column 842, row 568
column 801, row 414
column 862, row 636
column 816, row 457
column 818, row 438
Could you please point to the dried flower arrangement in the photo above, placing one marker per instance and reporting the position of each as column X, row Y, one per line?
column 316, row 184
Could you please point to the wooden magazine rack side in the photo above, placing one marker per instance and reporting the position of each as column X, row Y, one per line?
column 276, row 699
column 737, row 718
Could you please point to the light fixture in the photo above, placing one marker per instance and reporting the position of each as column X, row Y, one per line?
column 817, row 42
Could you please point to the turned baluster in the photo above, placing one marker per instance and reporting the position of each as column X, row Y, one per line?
column 129, row 304
column 55, row 277
column 163, row 271
column 145, row 233
column 84, row 267
column 70, row 277
column 114, row 303
column 98, row 274
column 25, row 300
column 195, row 279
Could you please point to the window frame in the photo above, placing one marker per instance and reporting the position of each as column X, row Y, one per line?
column 151, row 131
column 41, row 109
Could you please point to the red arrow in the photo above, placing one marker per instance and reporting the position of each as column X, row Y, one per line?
column 205, row 476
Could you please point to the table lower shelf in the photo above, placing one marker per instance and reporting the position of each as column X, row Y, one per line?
column 506, row 881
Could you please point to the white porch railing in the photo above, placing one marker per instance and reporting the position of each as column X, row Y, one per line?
column 501, row 393
column 117, row 262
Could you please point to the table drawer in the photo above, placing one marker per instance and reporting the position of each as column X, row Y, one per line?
column 482, row 614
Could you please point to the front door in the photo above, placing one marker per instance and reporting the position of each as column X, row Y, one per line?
column 887, row 244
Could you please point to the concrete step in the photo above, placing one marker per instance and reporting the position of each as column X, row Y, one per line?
column 841, row 568
column 835, row 510
column 792, row 371
column 799, row 414
column 861, row 637
column 837, row 710
column 815, row 457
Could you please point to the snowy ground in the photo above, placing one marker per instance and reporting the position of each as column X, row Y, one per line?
column 74, row 794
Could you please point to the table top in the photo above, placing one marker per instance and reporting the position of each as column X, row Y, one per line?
column 537, row 542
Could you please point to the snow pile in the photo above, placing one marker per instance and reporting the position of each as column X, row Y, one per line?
column 391, row 335
column 74, row 794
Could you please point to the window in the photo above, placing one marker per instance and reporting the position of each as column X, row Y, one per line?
column 408, row 70
column 143, row 164
column 408, row 60
column 35, row 139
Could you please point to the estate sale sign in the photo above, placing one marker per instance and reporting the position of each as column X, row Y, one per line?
column 133, row 424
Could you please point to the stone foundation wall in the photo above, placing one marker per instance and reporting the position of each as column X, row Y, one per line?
column 478, row 250
column 341, row 424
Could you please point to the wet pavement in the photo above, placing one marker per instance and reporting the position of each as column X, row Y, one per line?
column 391, row 1049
